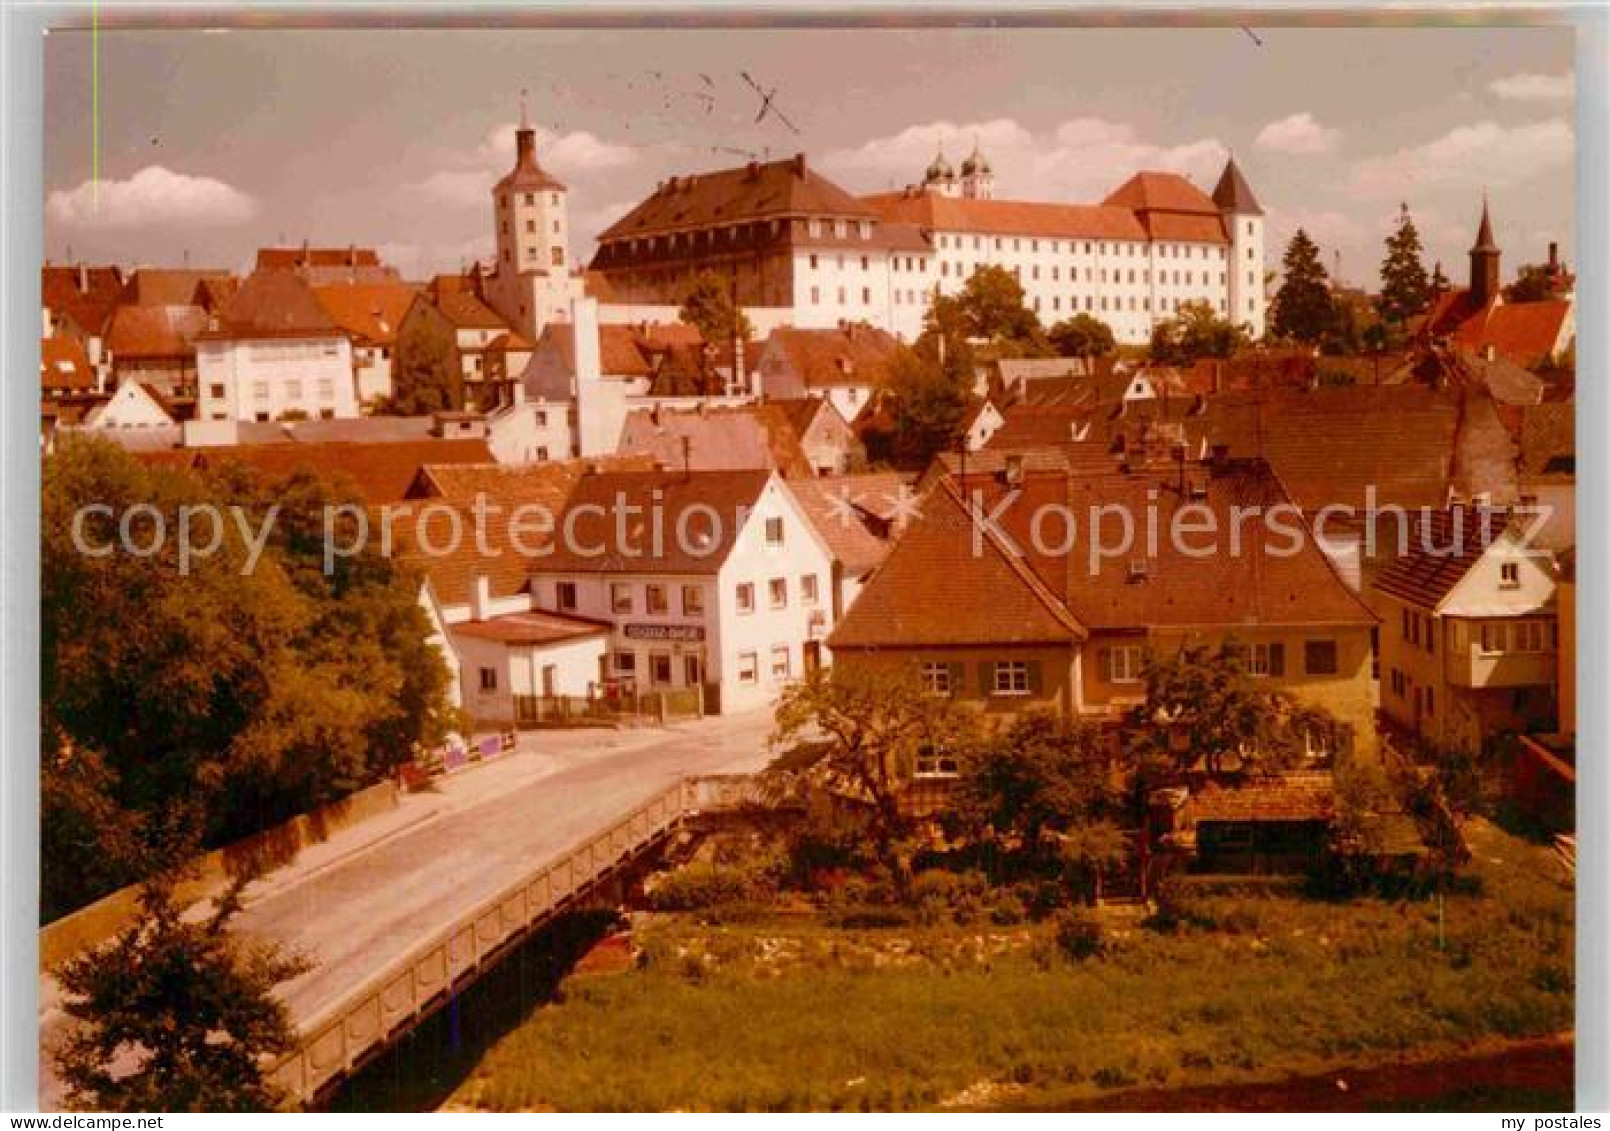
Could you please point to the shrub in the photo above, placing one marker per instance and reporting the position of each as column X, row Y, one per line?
column 1176, row 905
column 1006, row 909
column 699, row 887
column 1078, row 935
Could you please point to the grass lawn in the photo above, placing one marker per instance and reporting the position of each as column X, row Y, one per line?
column 788, row 1013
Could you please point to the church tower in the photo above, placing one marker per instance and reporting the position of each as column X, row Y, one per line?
column 941, row 177
column 533, row 238
column 1243, row 223
column 1484, row 258
column 978, row 180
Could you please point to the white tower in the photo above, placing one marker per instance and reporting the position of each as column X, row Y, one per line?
column 978, row 179
column 1243, row 222
column 940, row 177
column 532, row 283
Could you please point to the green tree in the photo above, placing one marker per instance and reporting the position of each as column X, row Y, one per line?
column 875, row 722
column 930, row 401
column 425, row 373
column 1194, row 332
column 1041, row 773
column 176, row 1014
column 995, row 310
column 1089, row 853
column 249, row 684
column 1304, row 310
column 1534, row 282
column 1203, row 711
column 1405, row 289
column 709, row 307
column 1083, row 335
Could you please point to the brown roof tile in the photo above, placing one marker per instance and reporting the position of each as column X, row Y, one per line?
column 154, row 331
column 1442, row 547
column 64, row 366
column 932, row 212
column 381, row 473
column 721, row 438
column 773, row 189
column 535, row 627
column 934, row 590
column 273, row 304
column 370, row 312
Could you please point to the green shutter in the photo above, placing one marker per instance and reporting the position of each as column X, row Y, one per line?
column 958, row 676
column 1277, row 659
column 986, row 678
column 1034, row 677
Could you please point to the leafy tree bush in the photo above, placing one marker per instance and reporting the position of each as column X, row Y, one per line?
column 425, row 372
column 249, row 684
column 1078, row 935
column 701, row 887
column 176, row 1014
column 1195, row 331
column 1083, row 335
column 709, row 307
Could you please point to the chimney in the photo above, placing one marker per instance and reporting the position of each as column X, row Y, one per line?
column 83, row 279
column 799, row 165
column 1554, row 257
column 752, row 170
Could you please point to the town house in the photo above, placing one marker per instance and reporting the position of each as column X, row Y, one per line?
column 1005, row 621
column 712, row 581
column 1469, row 632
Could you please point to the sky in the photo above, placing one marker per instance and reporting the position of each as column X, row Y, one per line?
column 213, row 143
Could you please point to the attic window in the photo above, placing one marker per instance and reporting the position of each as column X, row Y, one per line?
column 846, row 366
column 1137, row 569
column 1509, row 575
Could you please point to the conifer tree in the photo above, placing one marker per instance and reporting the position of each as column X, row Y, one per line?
column 1303, row 309
column 1405, row 289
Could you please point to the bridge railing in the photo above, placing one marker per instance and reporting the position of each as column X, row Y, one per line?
column 343, row 1035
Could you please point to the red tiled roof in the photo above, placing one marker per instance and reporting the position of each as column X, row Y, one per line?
column 64, row 366
column 535, row 627
column 821, row 359
column 934, row 590
column 154, row 331
column 169, row 286
column 1149, row 191
column 545, row 485
column 290, row 258
column 1443, row 546
column 467, row 312
column 370, row 312
column 273, row 304
column 705, row 506
column 934, row 212
column 1526, row 333
column 381, row 473
column 774, row 189
column 722, row 438
column 848, row 511
column 90, row 306
column 1299, row 796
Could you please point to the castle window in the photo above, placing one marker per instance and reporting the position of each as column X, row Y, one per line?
column 529, row 199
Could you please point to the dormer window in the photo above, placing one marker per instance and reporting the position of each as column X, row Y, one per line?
column 1509, row 575
column 866, row 229
column 815, row 227
column 840, row 229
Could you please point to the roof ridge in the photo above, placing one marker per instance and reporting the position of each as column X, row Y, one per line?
column 1015, row 562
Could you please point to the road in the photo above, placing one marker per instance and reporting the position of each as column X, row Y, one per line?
column 373, row 891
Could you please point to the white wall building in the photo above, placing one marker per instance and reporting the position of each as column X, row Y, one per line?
column 710, row 578
column 272, row 352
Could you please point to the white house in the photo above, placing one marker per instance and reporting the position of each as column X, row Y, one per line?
column 708, row 579
column 274, row 352
column 134, row 405
column 1469, row 631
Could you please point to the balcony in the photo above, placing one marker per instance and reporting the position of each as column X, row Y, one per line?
column 1503, row 669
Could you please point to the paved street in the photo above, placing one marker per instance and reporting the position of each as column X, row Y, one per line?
column 372, row 891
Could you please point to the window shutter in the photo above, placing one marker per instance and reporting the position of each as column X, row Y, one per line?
column 986, row 678
column 1034, row 677
column 1277, row 659
column 1104, row 664
column 958, row 676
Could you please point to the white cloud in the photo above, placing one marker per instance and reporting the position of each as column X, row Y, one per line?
column 1082, row 159
column 466, row 177
column 1529, row 87
column 1297, row 134
column 1483, row 155
column 153, row 197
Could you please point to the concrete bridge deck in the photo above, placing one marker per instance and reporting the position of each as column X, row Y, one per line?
column 394, row 911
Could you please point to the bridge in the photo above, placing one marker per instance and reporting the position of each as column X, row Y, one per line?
column 398, row 913
column 350, row 1030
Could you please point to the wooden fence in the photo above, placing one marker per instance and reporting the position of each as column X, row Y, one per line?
column 350, row 1031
